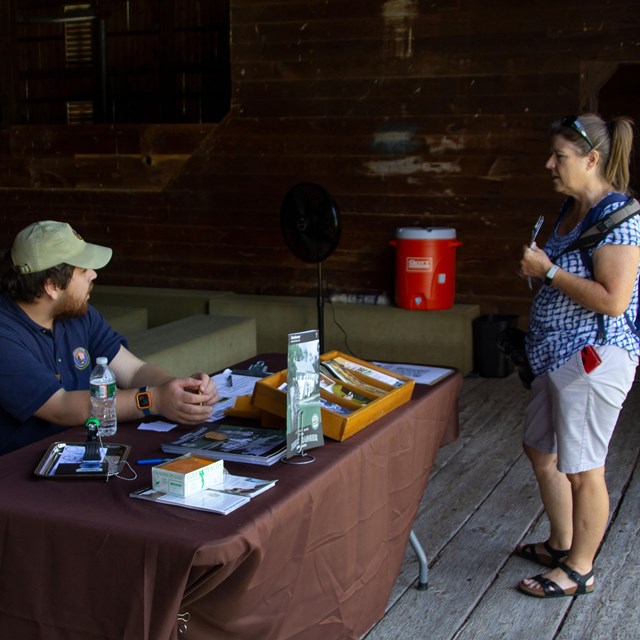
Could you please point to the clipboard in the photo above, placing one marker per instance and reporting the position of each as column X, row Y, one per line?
column 67, row 460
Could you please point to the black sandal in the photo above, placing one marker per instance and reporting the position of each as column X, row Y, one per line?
column 551, row 589
column 528, row 552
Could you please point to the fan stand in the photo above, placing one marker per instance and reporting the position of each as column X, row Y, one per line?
column 310, row 223
column 320, row 304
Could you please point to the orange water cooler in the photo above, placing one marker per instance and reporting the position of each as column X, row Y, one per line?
column 425, row 267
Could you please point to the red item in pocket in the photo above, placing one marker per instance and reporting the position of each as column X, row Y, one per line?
column 590, row 359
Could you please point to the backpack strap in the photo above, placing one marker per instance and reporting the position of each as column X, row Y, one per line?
column 597, row 232
column 599, row 228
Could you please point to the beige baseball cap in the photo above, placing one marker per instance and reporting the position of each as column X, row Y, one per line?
column 45, row 244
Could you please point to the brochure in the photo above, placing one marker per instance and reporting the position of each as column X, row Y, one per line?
column 335, row 370
column 225, row 496
column 243, row 485
column 304, row 417
column 334, row 407
column 336, row 389
column 206, row 500
column 367, row 371
column 324, row 403
column 253, row 445
column 422, row 374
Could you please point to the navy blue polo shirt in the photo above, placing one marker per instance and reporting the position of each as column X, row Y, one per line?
column 36, row 362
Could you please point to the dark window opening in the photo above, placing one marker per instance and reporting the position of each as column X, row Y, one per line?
column 122, row 61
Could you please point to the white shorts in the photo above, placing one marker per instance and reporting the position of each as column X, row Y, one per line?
column 574, row 413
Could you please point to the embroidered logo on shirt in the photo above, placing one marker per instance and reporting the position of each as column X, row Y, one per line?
column 81, row 358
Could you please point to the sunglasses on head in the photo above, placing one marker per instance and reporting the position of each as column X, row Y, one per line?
column 572, row 122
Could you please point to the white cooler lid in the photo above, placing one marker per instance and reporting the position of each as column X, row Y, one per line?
column 430, row 233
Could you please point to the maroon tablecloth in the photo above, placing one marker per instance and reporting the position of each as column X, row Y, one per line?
column 314, row 557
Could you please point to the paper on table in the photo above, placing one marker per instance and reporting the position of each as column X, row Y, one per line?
column 243, row 485
column 422, row 374
column 158, row 425
column 241, row 386
column 207, row 500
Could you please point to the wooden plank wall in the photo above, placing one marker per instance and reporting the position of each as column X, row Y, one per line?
column 408, row 113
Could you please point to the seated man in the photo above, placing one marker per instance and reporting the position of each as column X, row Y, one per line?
column 50, row 338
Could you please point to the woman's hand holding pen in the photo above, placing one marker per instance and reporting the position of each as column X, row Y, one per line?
column 534, row 234
column 534, row 263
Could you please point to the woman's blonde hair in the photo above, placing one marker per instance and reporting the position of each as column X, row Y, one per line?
column 613, row 140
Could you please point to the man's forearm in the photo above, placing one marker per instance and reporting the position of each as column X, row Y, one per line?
column 150, row 375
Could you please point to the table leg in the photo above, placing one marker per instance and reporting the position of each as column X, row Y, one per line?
column 423, row 577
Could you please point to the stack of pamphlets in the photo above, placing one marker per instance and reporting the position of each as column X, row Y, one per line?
column 324, row 403
column 253, row 445
column 335, row 388
column 335, row 370
column 335, row 407
column 380, row 376
column 224, row 497
column 243, row 485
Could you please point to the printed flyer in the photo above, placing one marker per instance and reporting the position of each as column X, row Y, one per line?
column 304, row 418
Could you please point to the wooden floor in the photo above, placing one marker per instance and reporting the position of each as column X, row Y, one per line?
column 482, row 500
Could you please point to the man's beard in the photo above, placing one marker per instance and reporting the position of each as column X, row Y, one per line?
column 69, row 307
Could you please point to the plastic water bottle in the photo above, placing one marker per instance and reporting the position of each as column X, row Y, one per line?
column 103, row 398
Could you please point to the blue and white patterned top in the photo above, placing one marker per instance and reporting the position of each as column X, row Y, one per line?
column 559, row 326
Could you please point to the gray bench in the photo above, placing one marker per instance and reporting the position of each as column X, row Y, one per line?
column 163, row 305
column 373, row 332
column 197, row 343
column 126, row 320
column 443, row 337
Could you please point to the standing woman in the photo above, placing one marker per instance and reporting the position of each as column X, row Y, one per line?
column 572, row 413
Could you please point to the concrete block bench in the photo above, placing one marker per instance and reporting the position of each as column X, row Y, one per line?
column 126, row 320
column 162, row 304
column 276, row 316
column 377, row 332
column 373, row 332
column 197, row 343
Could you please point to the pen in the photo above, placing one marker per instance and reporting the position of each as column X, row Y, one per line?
column 153, row 460
column 534, row 235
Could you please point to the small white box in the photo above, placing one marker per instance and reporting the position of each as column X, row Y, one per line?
column 187, row 475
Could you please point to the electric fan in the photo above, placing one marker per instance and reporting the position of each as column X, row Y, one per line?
column 310, row 223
